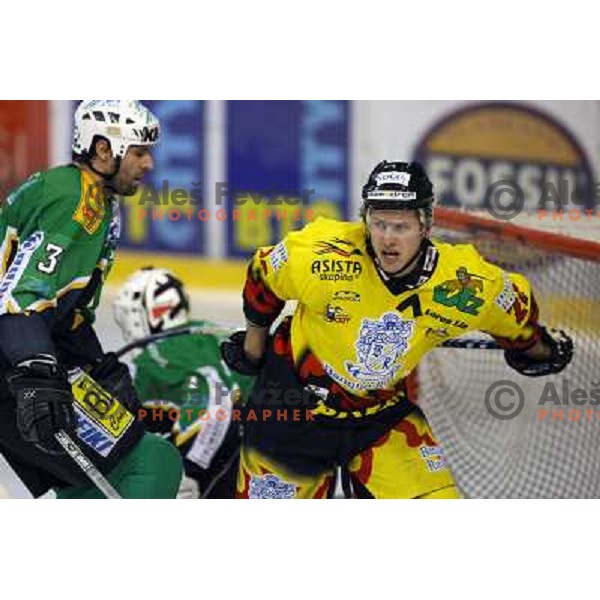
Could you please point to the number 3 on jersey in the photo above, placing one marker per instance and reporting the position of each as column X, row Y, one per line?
column 53, row 252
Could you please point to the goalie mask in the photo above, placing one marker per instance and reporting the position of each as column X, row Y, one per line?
column 151, row 300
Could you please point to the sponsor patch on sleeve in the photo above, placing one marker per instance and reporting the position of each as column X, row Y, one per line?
column 506, row 298
column 434, row 458
column 278, row 257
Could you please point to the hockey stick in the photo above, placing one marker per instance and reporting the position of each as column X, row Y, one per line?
column 471, row 344
column 220, row 474
column 464, row 343
column 187, row 330
column 86, row 465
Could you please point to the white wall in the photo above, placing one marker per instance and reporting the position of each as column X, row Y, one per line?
column 379, row 130
column 392, row 129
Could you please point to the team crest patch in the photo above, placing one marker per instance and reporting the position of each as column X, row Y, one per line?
column 270, row 487
column 91, row 208
column 380, row 344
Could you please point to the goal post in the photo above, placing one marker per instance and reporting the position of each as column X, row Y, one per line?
column 550, row 446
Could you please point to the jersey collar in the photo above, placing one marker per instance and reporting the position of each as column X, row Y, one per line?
column 421, row 273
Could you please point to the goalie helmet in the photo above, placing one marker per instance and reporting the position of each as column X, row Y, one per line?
column 151, row 300
column 123, row 123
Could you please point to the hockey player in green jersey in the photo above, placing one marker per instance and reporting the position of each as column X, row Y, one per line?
column 186, row 391
column 58, row 234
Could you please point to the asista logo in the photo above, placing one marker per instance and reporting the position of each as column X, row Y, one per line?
column 336, row 270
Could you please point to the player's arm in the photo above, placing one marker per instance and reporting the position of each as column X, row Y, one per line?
column 549, row 355
column 34, row 250
column 272, row 278
column 38, row 384
column 512, row 317
column 44, row 261
column 255, row 343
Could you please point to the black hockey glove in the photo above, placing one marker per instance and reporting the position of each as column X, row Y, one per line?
column 115, row 377
column 234, row 356
column 562, row 353
column 44, row 403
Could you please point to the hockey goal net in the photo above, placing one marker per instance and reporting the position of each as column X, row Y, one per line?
column 551, row 448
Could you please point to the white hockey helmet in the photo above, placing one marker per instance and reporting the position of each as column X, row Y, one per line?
column 123, row 123
column 151, row 300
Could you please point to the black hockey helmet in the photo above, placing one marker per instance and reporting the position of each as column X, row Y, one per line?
column 397, row 186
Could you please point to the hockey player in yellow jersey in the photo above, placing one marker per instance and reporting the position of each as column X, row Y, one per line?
column 373, row 297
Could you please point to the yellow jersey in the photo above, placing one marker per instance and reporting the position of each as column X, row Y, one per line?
column 368, row 331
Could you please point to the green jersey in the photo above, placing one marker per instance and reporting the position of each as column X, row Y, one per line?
column 188, row 392
column 57, row 232
column 58, row 236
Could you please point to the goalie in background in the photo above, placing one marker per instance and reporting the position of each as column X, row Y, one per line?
column 59, row 231
column 369, row 295
column 186, row 391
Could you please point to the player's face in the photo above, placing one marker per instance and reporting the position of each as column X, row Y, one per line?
column 396, row 236
column 136, row 163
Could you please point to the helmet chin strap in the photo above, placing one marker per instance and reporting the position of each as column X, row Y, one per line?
column 108, row 178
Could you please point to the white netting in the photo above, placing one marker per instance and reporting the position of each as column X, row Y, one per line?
column 530, row 455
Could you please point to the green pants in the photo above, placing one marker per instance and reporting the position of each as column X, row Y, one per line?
column 151, row 470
